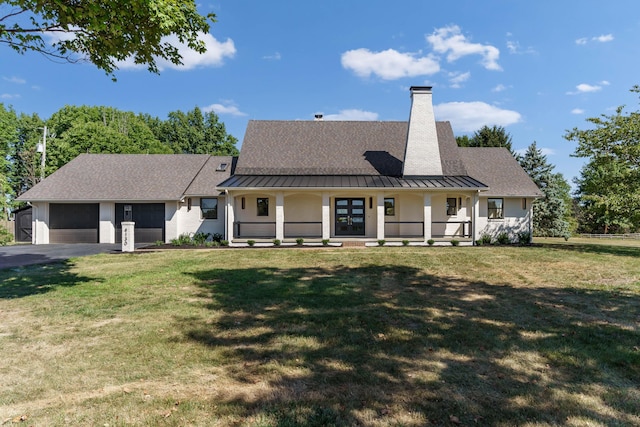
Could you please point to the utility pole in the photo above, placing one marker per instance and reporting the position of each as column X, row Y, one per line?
column 43, row 149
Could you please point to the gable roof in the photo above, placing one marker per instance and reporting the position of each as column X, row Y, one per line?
column 496, row 167
column 131, row 177
column 272, row 147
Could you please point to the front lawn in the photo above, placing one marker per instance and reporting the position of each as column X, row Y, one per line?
column 386, row 336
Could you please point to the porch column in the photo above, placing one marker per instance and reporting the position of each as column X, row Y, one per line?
column 229, row 217
column 280, row 216
column 476, row 215
column 380, row 216
column 427, row 216
column 326, row 216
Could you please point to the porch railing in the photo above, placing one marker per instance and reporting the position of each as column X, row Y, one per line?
column 462, row 230
column 246, row 229
column 267, row 230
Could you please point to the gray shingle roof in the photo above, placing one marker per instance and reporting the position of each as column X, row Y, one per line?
column 131, row 177
column 334, row 148
column 497, row 168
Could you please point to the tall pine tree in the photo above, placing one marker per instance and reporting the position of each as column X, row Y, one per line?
column 552, row 214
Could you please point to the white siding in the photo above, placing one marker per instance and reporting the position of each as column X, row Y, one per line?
column 516, row 219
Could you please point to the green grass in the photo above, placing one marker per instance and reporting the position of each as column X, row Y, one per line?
column 387, row 336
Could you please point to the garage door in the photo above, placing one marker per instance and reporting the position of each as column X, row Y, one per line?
column 73, row 222
column 149, row 219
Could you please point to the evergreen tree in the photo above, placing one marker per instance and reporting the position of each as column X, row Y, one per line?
column 552, row 214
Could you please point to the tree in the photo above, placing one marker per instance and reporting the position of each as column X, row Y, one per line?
column 552, row 214
column 8, row 134
column 104, row 32
column 194, row 133
column 609, row 185
column 97, row 130
column 495, row 136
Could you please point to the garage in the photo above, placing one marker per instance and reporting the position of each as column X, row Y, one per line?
column 73, row 222
column 149, row 220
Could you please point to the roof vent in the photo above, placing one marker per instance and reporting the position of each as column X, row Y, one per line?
column 222, row 167
column 318, row 117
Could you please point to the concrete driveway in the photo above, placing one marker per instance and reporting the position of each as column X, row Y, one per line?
column 23, row 255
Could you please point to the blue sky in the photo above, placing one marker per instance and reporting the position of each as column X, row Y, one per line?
column 538, row 68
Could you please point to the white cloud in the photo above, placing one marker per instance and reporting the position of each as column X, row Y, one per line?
column 457, row 79
column 9, row 96
column 515, row 48
column 275, row 57
column 229, row 109
column 587, row 88
column 451, row 41
column 213, row 57
column 14, row 79
column 499, row 88
column 352, row 115
column 389, row 64
column 471, row 116
column 603, row 38
column 577, row 111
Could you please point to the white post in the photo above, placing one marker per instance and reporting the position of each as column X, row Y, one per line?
column 128, row 240
column 476, row 216
column 230, row 217
column 427, row 217
column 326, row 216
column 380, row 214
column 280, row 216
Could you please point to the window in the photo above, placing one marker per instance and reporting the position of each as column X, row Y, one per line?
column 263, row 206
column 209, row 208
column 524, row 203
column 494, row 208
column 452, row 208
column 389, row 207
column 222, row 167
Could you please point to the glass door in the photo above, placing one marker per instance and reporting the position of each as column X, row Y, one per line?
column 350, row 217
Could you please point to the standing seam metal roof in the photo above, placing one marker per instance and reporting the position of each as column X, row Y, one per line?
column 354, row 181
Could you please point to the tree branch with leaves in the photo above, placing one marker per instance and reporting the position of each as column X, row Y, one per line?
column 103, row 32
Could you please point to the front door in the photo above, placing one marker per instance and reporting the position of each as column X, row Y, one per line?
column 350, row 217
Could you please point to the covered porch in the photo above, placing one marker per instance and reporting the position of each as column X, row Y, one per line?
column 393, row 211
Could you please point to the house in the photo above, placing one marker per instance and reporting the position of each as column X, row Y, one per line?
column 317, row 179
column 86, row 200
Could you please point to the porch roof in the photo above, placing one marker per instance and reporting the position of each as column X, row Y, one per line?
column 352, row 181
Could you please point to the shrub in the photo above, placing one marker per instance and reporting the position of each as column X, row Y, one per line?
column 524, row 238
column 5, row 236
column 211, row 244
column 430, row 242
column 455, row 242
column 299, row 241
column 277, row 242
column 199, row 238
column 158, row 243
column 216, row 237
column 485, row 239
column 182, row 240
column 381, row 242
column 224, row 243
column 405, row 243
column 251, row 242
column 325, row 242
column 503, row 238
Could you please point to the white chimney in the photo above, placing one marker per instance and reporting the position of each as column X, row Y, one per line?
column 422, row 154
